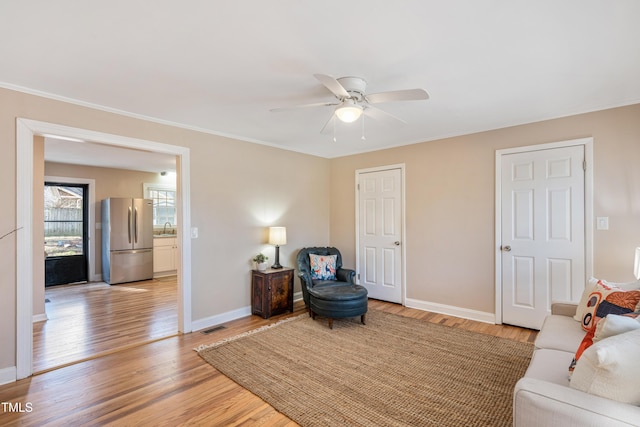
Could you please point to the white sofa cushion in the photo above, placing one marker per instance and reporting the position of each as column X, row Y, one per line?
column 610, row 368
column 550, row 365
column 615, row 324
column 628, row 286
column 539, row 403
column 560, row 333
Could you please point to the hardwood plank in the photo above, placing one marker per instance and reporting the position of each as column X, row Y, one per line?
column 89, row 320
column 167, row 383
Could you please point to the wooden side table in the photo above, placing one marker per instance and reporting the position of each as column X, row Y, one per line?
column 271, row 291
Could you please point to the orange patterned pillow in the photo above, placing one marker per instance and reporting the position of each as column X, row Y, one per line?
column 587, row 342
column 606, row 299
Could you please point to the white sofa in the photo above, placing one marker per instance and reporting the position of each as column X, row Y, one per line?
column 543, row 397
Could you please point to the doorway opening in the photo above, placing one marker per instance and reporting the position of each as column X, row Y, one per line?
column 66, row 224
column 26, row 130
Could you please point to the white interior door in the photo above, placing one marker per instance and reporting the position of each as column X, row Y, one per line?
column 380, row 234
column 543, row 232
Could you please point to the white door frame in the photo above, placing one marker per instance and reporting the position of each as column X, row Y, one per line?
column 588, row 208
column 401, row 166
column 26, row 129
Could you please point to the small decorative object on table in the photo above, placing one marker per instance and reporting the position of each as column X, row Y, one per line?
column 261, row 261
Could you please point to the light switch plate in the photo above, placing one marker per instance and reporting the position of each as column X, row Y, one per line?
column 194, row 232
column 602, row 223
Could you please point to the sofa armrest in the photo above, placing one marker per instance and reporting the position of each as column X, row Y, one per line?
column 305, row 279
column 540, row 403
column 564, row 308
column 346, row 275
column 305, row 284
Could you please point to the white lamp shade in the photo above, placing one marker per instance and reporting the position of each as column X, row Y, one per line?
column 278, row 236
column 636, row 264
column 349, row 111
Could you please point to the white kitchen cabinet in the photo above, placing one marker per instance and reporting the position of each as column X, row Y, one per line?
column 165, row 256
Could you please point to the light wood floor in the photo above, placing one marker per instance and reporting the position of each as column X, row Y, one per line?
column 167, row 383
column 96, row 318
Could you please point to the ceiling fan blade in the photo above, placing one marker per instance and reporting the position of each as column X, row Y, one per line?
column 316, row 104
column 333, row 85
column 378, row 114
column 398, row 95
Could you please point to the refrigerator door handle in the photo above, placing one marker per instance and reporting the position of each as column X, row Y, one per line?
column 129, row 224
column 135, row 224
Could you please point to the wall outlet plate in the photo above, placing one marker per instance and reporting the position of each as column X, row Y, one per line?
column 602, row 223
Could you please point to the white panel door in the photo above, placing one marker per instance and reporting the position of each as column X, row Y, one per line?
column 543, row 234
column 380, row 233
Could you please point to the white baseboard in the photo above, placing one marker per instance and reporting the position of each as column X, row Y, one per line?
column 8, row 375
column 218, row 319
column 210, row 321
column 450, row 310
column 40, row 317
column 165, row 273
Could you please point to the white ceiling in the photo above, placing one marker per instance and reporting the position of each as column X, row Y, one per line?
column 220, row 66
column 108, row 156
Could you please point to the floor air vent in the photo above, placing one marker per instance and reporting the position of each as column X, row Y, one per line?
column 214, row 329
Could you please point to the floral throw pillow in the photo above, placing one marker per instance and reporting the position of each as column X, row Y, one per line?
column 605, row 299
column 323, row 267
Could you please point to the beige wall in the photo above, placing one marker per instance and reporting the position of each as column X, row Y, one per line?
column 237, row 190
column 450, row 186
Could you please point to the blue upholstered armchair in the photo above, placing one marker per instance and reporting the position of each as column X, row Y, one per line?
column 333, row 296
column 343, row 275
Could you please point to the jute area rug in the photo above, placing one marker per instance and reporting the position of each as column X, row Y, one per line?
column 393, row 371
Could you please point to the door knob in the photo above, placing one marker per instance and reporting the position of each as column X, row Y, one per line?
column 397, row 243
column 506, row 248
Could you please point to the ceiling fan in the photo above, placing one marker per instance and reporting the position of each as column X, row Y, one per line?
column 352, row 101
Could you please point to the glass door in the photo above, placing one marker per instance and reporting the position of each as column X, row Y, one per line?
column 65, row 233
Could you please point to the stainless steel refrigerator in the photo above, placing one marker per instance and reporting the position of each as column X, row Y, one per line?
column 127, row 240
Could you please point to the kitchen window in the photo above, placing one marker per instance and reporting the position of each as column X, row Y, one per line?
column 164, row 204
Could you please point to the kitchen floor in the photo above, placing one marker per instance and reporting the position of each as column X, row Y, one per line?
column 94, row 319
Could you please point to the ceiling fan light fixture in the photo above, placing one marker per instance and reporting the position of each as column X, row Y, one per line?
column 349, row 111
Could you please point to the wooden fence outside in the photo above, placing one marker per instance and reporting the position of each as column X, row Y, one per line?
column 63, row 222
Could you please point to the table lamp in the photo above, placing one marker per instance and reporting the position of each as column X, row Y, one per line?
column 636, row 264
column 277, row 237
